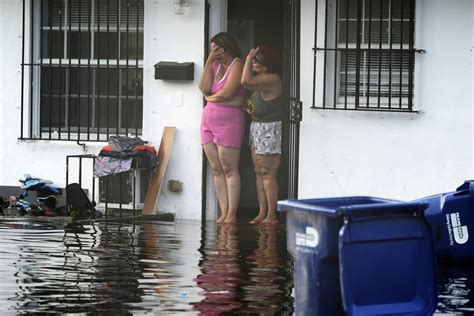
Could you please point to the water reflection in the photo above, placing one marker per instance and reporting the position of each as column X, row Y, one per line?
column 264, row 292
column 455, row 291
column 163, row 268
column 149, row 255
column 220, row 275
column 101, row 268
column 116, row 272
column 245, row 269
column 88, row 267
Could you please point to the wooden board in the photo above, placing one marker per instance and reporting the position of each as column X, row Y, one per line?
column 154, row 187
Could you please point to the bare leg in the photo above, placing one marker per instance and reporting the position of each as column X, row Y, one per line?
column 219, row 179
column 269, row 168
column 262, row 199
column 229, row 158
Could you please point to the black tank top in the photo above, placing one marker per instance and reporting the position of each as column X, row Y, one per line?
column 266, row 111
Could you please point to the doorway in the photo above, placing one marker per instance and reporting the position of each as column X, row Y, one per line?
column 268, row 22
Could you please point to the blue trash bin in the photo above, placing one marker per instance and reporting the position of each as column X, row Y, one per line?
column 451, row 216
column 364, row 255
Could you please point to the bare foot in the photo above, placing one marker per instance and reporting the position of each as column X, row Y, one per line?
column 230, row 219
column 257, row 220
column 221, row 219
column 270, row 220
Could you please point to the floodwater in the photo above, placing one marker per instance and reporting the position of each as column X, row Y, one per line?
column 162, row 268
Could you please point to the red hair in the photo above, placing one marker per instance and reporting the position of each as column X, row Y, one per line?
column 270, row 58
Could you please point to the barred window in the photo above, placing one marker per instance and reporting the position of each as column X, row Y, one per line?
column 86, row 69
column 364, row 59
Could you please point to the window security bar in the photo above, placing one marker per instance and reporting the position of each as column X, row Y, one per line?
column 364, row 55
column 83, row 78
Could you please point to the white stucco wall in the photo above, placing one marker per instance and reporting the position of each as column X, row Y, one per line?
column 170, row 37
column 397, row 155
column 167, row 37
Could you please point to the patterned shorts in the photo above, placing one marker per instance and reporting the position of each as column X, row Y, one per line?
column 265, row 137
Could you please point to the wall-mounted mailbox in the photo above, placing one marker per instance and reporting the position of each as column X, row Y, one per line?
column 170, row 70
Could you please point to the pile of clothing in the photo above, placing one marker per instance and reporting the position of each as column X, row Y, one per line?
column 46, row 199
column 124, row 153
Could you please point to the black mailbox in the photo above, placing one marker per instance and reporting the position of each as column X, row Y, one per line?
column 171, row 70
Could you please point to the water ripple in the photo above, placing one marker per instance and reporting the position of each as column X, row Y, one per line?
column 162, row 268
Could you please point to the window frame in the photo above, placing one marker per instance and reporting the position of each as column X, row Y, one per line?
column 328, row 57
column 42, row 60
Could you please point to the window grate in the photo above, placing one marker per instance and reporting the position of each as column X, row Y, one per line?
column 364, row 55
column 85, row 69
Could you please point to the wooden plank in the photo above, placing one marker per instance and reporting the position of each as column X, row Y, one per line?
column 154, row 187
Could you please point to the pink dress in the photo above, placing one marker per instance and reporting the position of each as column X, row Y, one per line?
column 222, row 124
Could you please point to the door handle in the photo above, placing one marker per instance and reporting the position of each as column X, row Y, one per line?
column 296, row 111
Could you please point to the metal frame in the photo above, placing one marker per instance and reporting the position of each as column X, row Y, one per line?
column 80, row 174
column 60, row 109
column 295, row 114
column 331, row 57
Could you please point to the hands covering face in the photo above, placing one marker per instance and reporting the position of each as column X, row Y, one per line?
column 216, row 52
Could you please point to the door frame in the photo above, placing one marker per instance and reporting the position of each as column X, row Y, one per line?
column 295, row 114
column 215, row 22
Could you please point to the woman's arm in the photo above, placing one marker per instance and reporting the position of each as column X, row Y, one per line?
column 262, row 82
column 247, row 73
column 231, row 86
column 205, row 82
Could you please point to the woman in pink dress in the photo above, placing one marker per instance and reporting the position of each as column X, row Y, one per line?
column 222, row 121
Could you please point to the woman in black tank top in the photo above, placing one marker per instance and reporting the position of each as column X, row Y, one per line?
column 261, row 75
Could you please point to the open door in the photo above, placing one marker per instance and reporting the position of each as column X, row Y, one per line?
column 275, row 23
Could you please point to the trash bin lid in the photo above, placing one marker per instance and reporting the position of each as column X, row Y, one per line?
column 331, row 207
column 386, row 261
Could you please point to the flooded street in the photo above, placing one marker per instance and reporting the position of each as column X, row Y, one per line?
column 146, row 267
column 163, row 268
